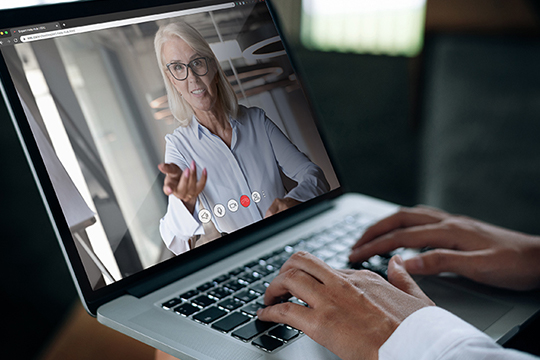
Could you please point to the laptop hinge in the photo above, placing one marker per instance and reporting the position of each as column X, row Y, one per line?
column 193, row 265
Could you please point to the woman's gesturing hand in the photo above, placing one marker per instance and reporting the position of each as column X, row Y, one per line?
column 183, row 184
column 474, row 249
column 351, row 313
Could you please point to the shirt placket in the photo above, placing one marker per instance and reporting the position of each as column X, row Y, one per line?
column 239, row 175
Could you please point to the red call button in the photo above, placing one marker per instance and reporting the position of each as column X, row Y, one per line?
column 244, row 200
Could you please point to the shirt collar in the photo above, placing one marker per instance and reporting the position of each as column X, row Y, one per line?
column 198, row 129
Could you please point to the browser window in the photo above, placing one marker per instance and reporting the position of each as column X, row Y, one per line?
column 104, row 109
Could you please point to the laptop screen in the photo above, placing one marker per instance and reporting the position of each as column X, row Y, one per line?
column 166, row 129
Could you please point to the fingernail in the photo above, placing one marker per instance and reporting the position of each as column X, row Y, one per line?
column 168, row 190
column 415, row 263
column 259, row 312
column 204, row 171
column 186, row 173
column 192, row 164
column 398, row 260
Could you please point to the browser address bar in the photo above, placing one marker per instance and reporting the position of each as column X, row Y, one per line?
column 117, row 23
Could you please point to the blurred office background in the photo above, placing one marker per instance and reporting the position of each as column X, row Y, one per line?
column 435, row 103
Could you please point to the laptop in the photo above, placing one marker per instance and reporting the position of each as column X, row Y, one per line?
column 88, row 100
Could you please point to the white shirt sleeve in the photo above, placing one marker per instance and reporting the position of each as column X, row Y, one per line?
column 433, row 333
column 295, row 165
column 178, row 225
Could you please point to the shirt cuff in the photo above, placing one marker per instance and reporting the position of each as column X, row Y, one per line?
column 428, row 333
column 178, row 226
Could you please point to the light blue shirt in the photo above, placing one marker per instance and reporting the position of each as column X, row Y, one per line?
column 258, row 150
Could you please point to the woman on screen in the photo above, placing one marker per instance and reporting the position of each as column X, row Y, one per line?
column 222, row 164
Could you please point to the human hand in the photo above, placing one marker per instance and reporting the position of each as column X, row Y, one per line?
column 183, row 184
column 471, row 248
column 278, row 205
column 160, row 355
column 351, row 312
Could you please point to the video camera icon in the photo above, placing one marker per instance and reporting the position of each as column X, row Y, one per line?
column 232, row 205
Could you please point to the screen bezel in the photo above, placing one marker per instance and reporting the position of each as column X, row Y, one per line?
column 173, row 269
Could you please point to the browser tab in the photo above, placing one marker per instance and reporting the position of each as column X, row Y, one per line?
column 35, row 29
column 14, row 36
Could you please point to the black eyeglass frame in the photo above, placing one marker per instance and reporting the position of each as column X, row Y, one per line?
column 188, row 66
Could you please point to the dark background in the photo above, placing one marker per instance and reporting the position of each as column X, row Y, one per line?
column 456, row 127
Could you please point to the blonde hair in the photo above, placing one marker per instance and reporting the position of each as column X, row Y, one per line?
column 181, row 110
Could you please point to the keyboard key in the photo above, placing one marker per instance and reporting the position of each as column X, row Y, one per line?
column 167, row 305
column 236, row 271
column 261, row 270
column 267, row 343
column 258, row 288
column 219, row 293
column 203, row 301
column 231, row 304
column 296, row 243
column 189, row 294
column 252, row 264
column 267, row 256
column 230, row 322
column 209, row 315
column 338, row 246
column 376, row 260
column 284, row 333
column 324, row 253
column 277, row 261
column 268, row 279
column 222, row 278
column 277, row 252
column 233, row 285
column 289, row 249
column 186, row 309
column 206, row 286
column 246, row 296
column 337, row 263
column 251, row 309
column 252, row 329
column 336, row 232
column 298, row 301
column 248, row 277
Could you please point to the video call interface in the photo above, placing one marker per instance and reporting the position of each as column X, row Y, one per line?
column 122, row 114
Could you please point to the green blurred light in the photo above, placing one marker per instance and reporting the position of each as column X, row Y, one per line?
column 387, row 27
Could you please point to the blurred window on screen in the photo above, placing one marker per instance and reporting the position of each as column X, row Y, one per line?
column 389, row 27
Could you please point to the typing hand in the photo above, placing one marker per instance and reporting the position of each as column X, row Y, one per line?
column 474, row 249
column 350, row 312
column 183, row 184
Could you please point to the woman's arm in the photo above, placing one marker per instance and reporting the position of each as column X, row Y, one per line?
column 296, row 166
column 179, row 224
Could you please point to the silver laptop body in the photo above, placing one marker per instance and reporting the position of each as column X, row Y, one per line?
column 86, row 97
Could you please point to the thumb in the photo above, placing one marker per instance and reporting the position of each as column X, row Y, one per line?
column 170, row 169
column 400, row 278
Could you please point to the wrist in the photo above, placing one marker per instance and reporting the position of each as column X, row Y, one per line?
column 533, row 254
column 190, row 205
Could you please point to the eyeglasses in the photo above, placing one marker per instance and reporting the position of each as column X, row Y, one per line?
column 180, row 71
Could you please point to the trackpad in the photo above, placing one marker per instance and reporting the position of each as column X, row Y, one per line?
column 479, row 311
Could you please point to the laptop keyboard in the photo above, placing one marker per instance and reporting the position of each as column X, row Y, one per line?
column 229, row 302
